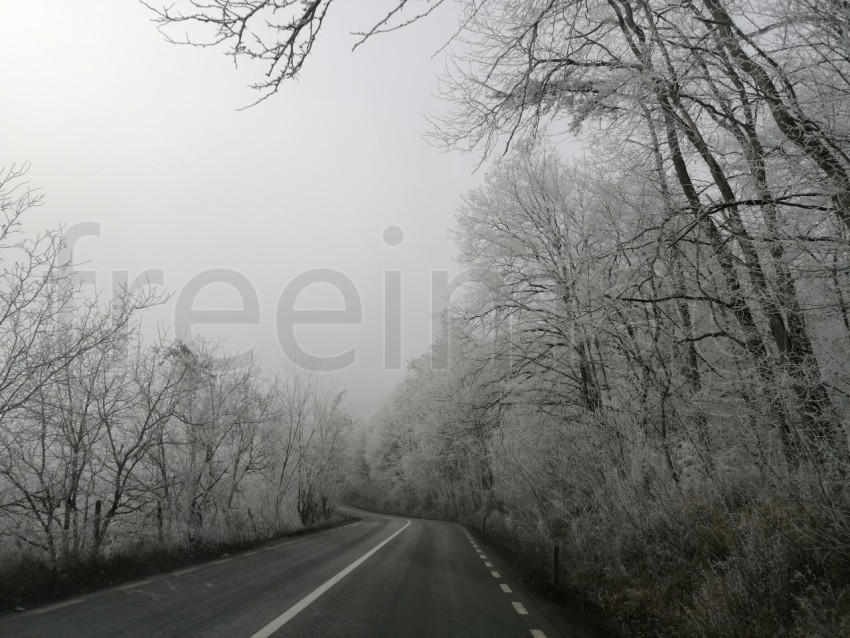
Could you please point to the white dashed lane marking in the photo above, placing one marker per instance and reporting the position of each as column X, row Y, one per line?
column 518, row 606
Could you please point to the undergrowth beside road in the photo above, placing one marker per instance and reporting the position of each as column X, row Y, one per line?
column 702, row 568
column 27, row 582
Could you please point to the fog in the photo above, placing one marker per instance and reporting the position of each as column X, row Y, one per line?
column 639, row 410
column 146, row 143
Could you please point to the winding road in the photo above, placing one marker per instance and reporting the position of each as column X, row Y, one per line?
column 379, row 576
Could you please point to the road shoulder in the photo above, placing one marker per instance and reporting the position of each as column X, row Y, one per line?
column 568, row 615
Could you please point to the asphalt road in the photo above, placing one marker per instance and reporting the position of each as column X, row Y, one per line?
column 381, row 576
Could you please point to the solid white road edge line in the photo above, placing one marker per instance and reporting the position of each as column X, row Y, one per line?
column 360, row 513
column 305, row 602
column 67, row 603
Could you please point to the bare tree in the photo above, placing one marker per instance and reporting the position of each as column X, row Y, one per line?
column 279, row 34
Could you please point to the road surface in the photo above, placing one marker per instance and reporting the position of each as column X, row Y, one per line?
column 380, row 576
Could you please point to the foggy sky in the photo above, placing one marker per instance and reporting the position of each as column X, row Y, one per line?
column 144, row 138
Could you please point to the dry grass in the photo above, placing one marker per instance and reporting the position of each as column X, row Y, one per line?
column 767, row 564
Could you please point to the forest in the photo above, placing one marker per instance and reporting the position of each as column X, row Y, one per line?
column 651, row 370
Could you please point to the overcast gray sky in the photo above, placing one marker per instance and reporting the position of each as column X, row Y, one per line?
column 144, row 138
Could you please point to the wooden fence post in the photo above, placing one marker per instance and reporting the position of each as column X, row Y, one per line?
column 556, row 554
